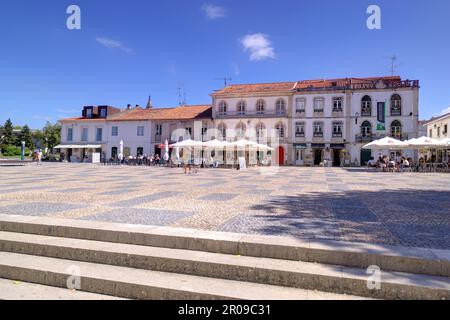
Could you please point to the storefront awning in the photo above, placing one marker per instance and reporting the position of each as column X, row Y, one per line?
column 78, row 146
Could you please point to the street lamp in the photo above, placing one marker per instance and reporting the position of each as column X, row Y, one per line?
column 356, row 117
column 22, row 151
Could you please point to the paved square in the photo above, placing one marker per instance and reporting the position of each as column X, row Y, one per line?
column 409, row 209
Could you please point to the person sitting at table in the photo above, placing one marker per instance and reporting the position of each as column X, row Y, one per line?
column 371, row 163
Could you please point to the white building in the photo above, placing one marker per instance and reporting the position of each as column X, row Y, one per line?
column 306, row 122
column 141, row 130
column 320, row 119
column 438, row 128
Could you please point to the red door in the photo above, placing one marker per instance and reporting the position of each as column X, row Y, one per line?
column 280, row 151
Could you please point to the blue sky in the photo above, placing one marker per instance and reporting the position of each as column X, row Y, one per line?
column 127, row 50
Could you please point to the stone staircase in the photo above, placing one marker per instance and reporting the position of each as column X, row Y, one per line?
column 108, row 260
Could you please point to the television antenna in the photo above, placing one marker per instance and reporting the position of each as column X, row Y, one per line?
column 181, row 94
column 393, row 66
column 225, row 80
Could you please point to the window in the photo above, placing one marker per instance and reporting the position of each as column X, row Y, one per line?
column 241, row 106
column 300, row 105
column 158, row 129
column 445, row 129
column 260, row 130
column 299, row 129
column 240, row 130
column 89, row 113
column 188, row 132
column 396, row 105
column 337, row 104
column 396, row 129
column 139, row 151
column 69, row 134
column 318, row 129
column 99, row 134
column 366, row 106
column 318, row 104
column 430, row 134
column 84, row 134
column 140, row 131
column 223, row 131
column 113, row 152
column 337, row 129
column 439, row 131
column 260, row 106
column 115, row 131
column 279, row 130
column 280, row 107
column 366, row 129
column 204, row 131
column 222, row 108
column 103, row 113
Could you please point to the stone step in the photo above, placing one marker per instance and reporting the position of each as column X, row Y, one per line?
column 360, row 255
column 277, row 272
column 135, row 283
column 18, row 290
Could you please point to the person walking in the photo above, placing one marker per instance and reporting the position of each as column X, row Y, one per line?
column 39, row 157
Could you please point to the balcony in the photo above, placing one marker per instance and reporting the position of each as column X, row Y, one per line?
column 395, row 113
column 299, row 134
column 252, row 114
column 369, row 138
column 366, row 113
column 337, row 134
column 318, row 135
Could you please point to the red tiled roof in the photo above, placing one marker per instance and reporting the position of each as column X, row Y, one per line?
column 136, row 114
column 292, row 85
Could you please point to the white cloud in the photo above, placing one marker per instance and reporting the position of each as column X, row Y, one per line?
column 445, row 111
column 236, row 69
column 67, row 111
column 46, row 118
column 259, row 46
column 213, row 12
column 113, row 44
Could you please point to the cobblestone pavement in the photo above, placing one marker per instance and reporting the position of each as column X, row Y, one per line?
column 409, row 209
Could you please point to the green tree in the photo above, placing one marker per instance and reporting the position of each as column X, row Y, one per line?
column 8, row 138
column 26, row 136
column 51, row 135
column 8, row 134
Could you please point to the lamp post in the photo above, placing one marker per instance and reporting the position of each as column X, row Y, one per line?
column 22, row 151
column 356, row 117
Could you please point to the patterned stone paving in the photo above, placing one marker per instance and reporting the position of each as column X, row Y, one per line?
column 409, row 209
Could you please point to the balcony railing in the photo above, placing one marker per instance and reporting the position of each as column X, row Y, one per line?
column 366, row 113
column 318, row 135
column 256, row 114
column 299, row 134
column 318, row 110
column 377, row 84
column 337, row 134
column 373, row 137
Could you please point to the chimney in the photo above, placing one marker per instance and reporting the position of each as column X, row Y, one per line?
column 149, row 103
column 128, row 106
column 137, row 106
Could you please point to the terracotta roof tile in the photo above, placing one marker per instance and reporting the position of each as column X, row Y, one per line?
column 294, row 85
column 136, row 114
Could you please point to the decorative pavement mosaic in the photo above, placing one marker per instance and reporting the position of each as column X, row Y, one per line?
column 409, row 209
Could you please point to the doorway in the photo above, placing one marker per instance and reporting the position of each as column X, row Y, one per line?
column 317, row 157
column 366, row 154
column 337, row 157
column 280, row 155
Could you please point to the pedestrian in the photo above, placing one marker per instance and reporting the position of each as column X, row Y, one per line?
column 39, row 157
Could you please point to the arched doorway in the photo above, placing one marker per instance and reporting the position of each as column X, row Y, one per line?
column 280, row 155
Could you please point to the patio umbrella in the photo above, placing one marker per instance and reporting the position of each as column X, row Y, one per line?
column 216, row 144
column 444, row 143
column 166, row 150
column 386, row 143
column 242, row 143
column 264, row 147
column 121, row 151
column 187, row 144
column 423, row 142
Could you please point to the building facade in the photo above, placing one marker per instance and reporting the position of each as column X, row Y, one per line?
column 316, row 120
column 142, row 130
column 306, row 122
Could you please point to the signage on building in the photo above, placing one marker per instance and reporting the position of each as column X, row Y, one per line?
column 381, row 118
